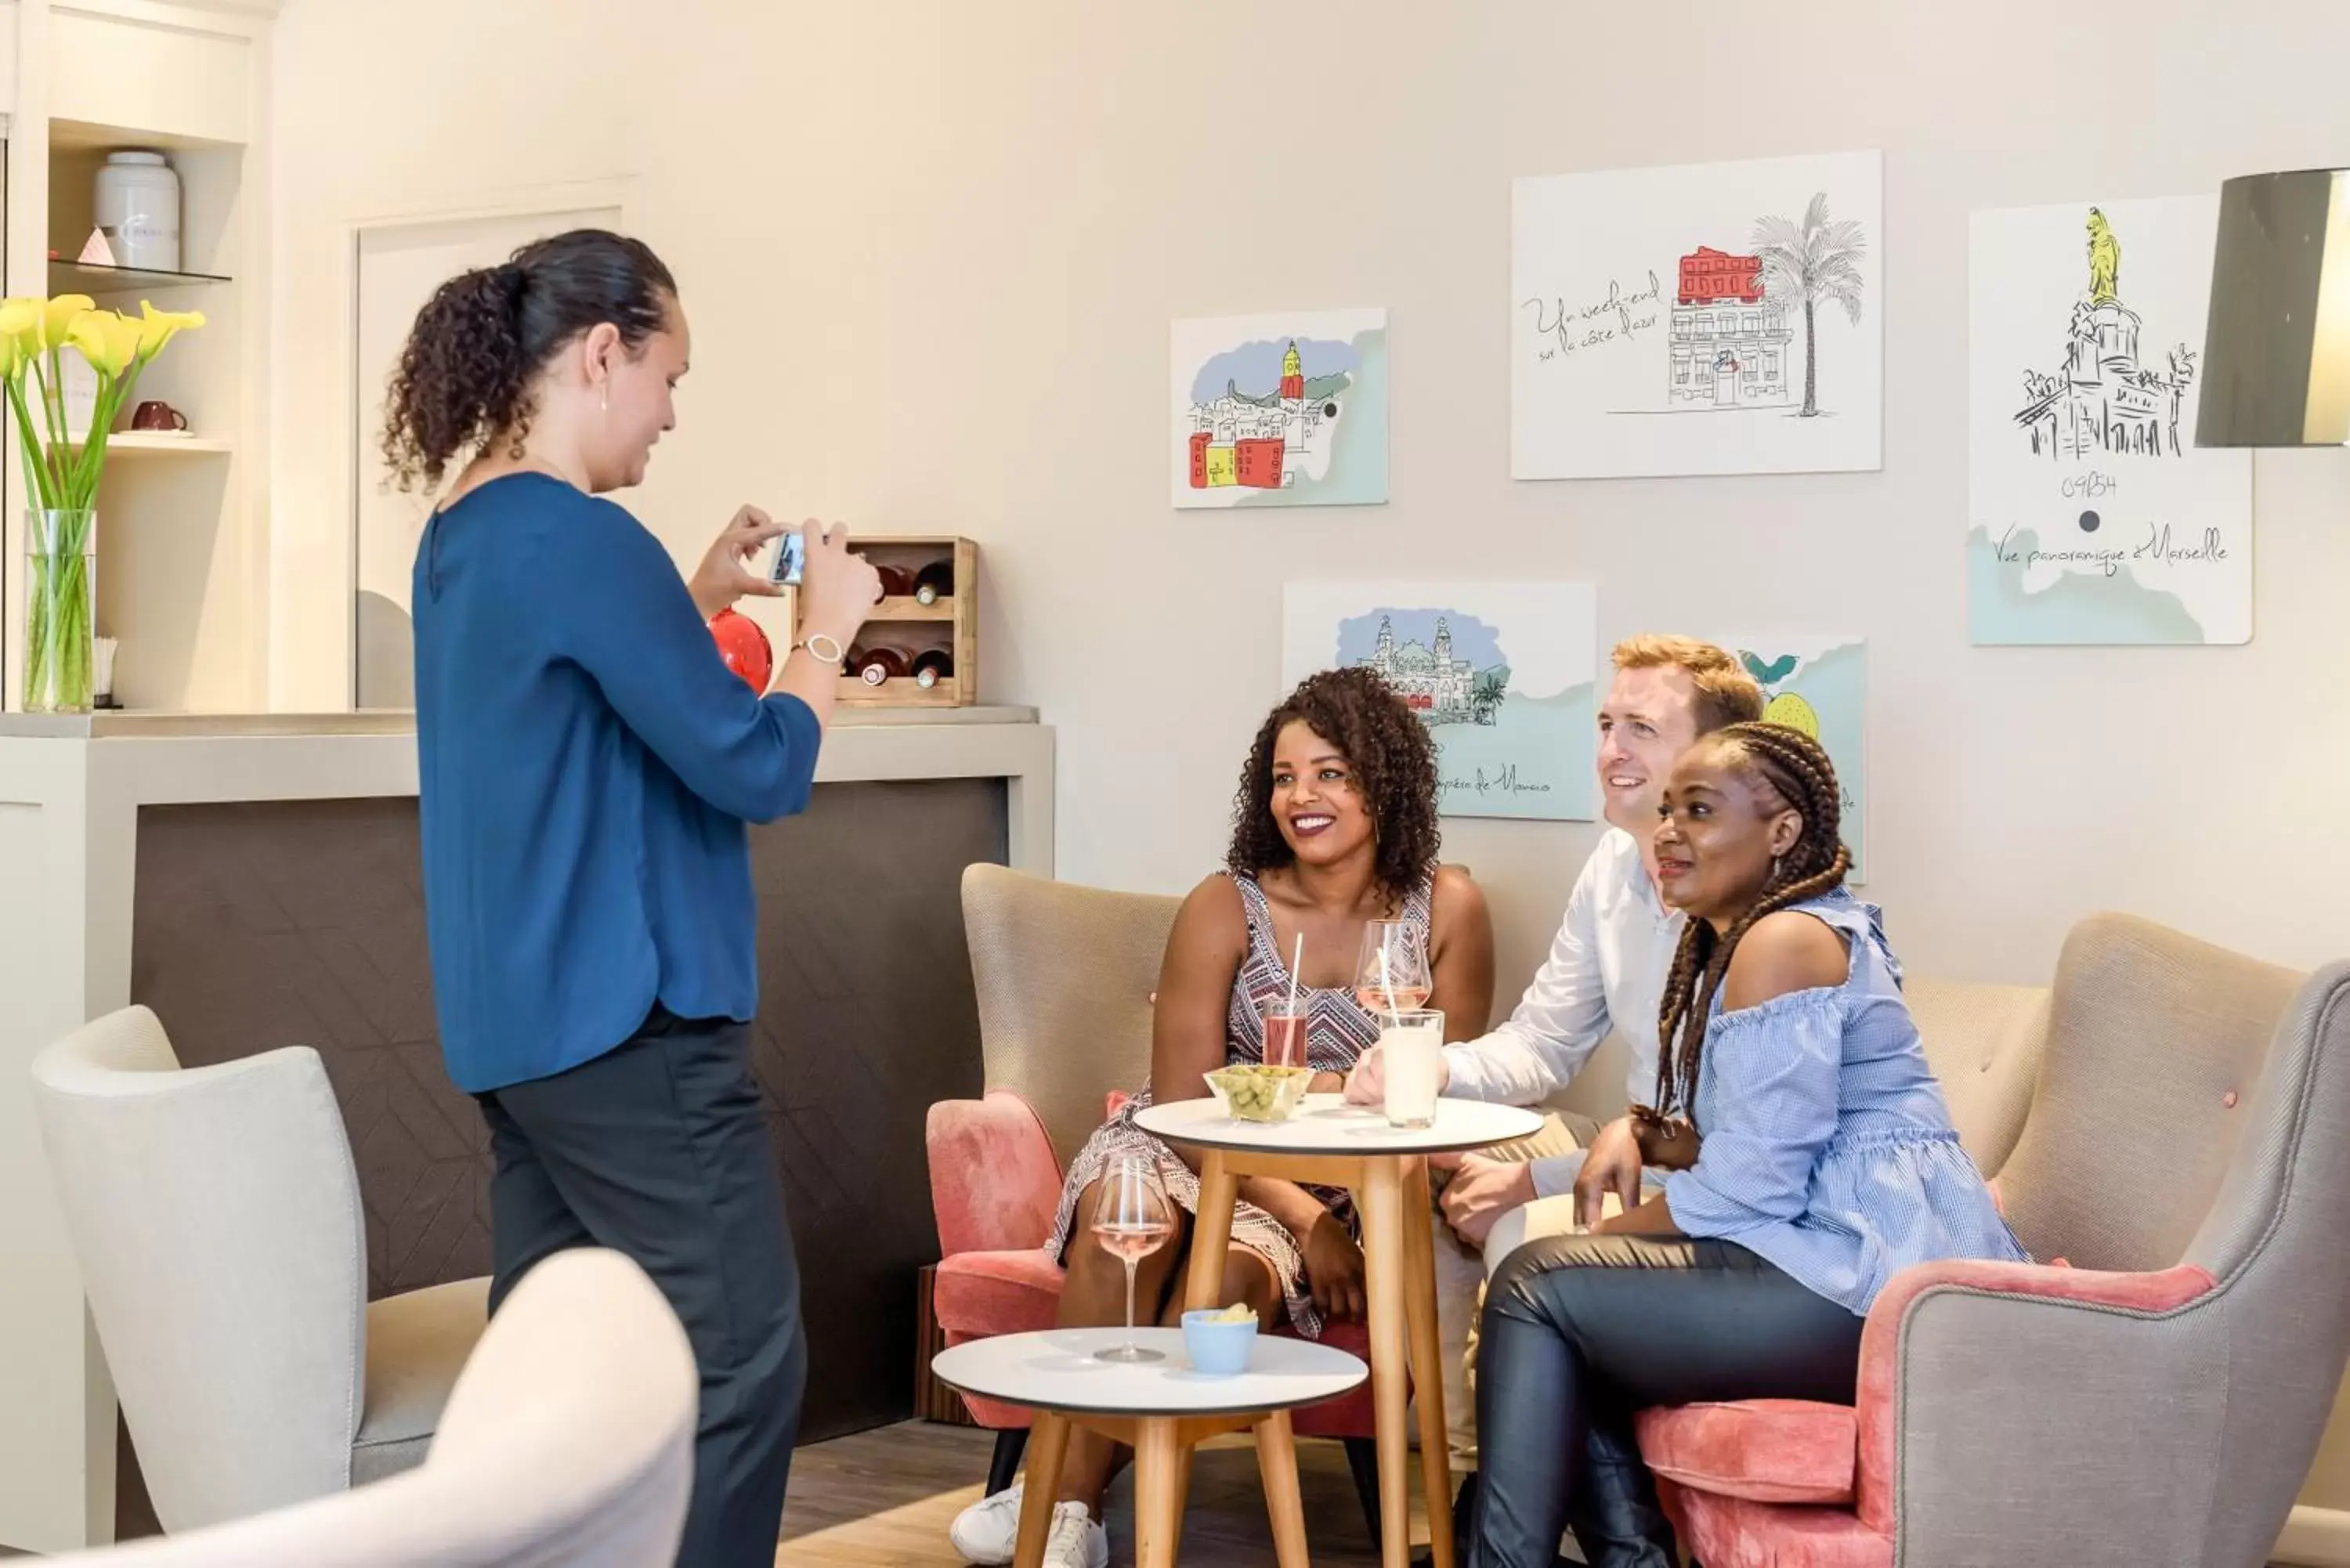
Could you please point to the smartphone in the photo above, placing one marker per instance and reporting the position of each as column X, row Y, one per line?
column 791, row 558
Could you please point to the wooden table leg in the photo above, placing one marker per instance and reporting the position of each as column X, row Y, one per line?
column 1211, row 1231
column 1383, row 1263
column 1427, row 1360
column 1048, row 1444
column 1277, row 1461
column 1159, row 1458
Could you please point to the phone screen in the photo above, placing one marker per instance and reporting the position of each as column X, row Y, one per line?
column 791, row 555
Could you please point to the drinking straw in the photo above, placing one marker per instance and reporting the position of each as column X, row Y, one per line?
column 1296, row 960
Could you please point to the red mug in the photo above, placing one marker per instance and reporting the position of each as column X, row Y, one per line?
column 154, row 414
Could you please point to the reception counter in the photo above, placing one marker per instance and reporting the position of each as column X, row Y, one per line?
column 254, row 879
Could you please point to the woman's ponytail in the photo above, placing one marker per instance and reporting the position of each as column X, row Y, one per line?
column 465, row 375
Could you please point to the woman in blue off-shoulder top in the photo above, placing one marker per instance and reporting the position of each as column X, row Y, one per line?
column 1810, row 1157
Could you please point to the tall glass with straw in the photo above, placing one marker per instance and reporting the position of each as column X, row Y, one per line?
column 1286, row 1021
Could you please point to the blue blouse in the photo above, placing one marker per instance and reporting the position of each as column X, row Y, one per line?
column 585, row 762
column 1827, row 1149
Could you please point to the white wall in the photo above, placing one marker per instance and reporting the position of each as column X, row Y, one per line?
column 931, row 251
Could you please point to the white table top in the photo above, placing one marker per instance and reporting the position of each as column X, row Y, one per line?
column 1056, row 1370
column 1326, row 1123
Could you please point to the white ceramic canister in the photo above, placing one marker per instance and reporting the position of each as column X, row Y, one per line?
column 138, row 203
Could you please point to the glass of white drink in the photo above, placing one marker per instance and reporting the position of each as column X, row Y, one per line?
column 1411, row 1057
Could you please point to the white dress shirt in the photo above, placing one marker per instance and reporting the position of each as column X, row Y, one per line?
column 1607, row 969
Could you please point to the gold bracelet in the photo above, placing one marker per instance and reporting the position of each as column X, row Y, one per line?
column 835, row 656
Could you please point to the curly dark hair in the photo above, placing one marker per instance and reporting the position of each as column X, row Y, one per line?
column 1792, row 768
column 465, row 377
column 1394, row 772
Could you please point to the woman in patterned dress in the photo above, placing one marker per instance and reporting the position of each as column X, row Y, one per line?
column 1333, row 826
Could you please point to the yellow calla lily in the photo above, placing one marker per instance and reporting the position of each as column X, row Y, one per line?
column 58, row 316
column 109, row 341
column 157, row 328
column 20, row 323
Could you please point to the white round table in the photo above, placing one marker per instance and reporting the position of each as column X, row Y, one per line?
column 1326, row 1123
column 1162, row 1409
column 1333, row 1144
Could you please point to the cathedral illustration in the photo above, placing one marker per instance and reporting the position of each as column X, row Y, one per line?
column 1433, row 684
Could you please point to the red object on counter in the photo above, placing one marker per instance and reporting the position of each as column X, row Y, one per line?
column 744, row 648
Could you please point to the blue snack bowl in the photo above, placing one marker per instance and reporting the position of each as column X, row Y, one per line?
column 1217, row 1349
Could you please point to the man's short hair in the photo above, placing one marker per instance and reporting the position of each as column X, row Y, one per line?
column 1726, row 694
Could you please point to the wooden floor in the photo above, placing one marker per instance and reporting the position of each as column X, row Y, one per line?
column 883, row 1499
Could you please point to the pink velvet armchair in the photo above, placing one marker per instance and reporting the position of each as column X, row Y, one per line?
column 2154, row 1393
column 1063, row 976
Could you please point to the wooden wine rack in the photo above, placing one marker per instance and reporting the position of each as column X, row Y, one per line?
column 952, row 623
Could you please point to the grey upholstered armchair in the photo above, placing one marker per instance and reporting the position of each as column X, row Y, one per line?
column 2152, row 1392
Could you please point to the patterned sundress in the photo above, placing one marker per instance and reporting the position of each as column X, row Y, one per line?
column 1338, row 1029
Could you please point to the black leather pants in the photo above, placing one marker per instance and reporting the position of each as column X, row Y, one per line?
column 1579, row 1332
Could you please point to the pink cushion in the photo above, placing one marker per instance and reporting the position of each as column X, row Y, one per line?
column 1739, row 1533
column 1765, row 1450
column 994, row 1184
column 980, row 1294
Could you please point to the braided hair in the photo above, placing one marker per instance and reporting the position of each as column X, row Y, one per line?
column 1791, row 765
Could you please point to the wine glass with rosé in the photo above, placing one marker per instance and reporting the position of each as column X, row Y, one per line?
column 1391, row 976
column 1132, row 1220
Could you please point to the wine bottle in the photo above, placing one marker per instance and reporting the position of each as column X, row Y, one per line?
column 931, row 666
column 934, row 582
column 875, row 665
column 897, row 583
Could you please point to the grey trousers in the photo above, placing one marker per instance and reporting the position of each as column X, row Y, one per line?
column 658, row 1149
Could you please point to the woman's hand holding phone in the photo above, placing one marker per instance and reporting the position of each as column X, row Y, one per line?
column 723, row 577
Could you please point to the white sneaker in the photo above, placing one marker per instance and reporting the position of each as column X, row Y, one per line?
column 1076, row 1541
column 987, row 1530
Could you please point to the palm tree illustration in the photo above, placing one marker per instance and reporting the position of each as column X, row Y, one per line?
column 1814, row 260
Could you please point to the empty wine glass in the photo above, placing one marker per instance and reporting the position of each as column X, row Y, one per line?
column 1132, row 1220
column 1391, row 976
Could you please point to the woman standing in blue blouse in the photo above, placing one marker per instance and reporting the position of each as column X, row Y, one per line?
column 1810, row 1156
column 586, row 765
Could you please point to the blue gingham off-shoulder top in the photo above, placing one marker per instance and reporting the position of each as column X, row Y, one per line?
column 1827, row 1149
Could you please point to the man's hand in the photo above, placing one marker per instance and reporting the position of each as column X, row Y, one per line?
column 1612, row 1164
column 1366, row 1082
column 1483, row 1189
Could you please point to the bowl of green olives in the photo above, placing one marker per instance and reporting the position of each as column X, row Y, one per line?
column 1255, row 1094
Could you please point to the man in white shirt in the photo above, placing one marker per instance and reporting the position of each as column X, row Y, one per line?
column 1606, row 974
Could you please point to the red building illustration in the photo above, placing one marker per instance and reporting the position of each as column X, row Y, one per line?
column 1200, row 440
column 1730, row 342
column 1293, row 376
column 1709, row 275
column 1260, row 461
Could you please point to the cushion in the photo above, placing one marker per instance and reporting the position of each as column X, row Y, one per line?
column 1738, row 1532
column 416, row 1342
column 980, row 1294
column 1764, row 1450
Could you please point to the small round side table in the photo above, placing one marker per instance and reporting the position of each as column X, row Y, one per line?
column 1162, row 1409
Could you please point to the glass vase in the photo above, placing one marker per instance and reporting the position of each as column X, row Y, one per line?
column 60, row 609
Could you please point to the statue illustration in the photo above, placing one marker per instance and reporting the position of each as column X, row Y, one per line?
column 2104, row 260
